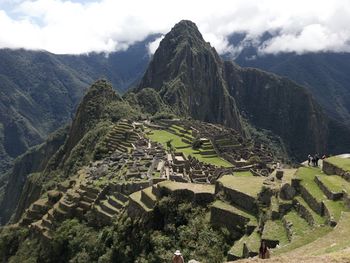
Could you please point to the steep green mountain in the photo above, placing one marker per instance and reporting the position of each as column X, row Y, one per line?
column 326, row 75
column 39, row 90
column 64, row 152
column 189, row 76
column 280, row 105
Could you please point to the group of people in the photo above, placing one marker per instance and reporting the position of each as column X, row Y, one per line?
column 313, row 159
column 264, row 253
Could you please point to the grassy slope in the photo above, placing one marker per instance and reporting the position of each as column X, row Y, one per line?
column 343, row 163
column 248, row 185
column 307, row 174
column 163, row 136
column 196, row 188
column 335, row 240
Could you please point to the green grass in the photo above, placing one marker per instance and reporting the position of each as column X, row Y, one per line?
column 149, row 193
column 335, row 183
column 343, row 163
column 252, row 241
column 156, row 174
column 319, row 220
column 332, row 241
column 163, row 136
column 307, row 174
column 274, row 204
column 300, row 226
column 136, row 197
column 335, row 208
column 245, row 173
column 196, row 188
column 237, row 248
column 250, row 185
column 304, row 239
column 230, row 208
column 274, row 230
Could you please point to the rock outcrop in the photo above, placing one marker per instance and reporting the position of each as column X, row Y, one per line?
column 188, row 74
column 192, row 79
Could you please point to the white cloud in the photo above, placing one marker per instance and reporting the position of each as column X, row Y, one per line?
column 152, row 47
column 67, row 26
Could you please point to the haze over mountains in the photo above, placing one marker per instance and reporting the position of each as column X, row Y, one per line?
column 42, row 89
column 188, row 152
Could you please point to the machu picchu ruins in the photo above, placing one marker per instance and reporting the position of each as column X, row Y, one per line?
column 141, row 146
column 247, row 192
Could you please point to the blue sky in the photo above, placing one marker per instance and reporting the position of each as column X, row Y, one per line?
column 77, row 26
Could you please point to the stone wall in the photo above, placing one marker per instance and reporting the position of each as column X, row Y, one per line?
column 330, row 195
column 288, row 227
column 135, row 210
column 130, row 187
column 311, row 201
column 233, row 222
column 304, row 213
column 331, row 169
column 330, row 219
column 238, row 198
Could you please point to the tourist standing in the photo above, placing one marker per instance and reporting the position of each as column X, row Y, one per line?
column 317, row 158
column 264, row 252
column 178, row 258
column 309, row 158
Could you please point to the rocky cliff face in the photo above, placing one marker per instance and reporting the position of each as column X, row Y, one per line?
column 188, row 74
column 59, row 157
column 90, row 111
column 33, row 161
column 280, row 105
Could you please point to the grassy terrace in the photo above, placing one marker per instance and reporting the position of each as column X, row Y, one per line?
column 163, row 136
column 252, row 241
column 136, row 197
column 335, row 183
column 196, row 188
column 335, row 208
column 332, row 241
column 304, row 239
column 234, row 210
column 307, row 174
column 245, row 173
column 148, row 192
column 274, row 230
column 343, row 163
column 300, row 226
column 245, row 184
column 319, row 220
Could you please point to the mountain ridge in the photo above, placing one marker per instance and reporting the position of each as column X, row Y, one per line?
column 185, row 64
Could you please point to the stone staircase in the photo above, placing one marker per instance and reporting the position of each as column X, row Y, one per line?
column 75, row 203
column 322, row 196
column 110, row 206
column 121, row 137
column 60, row 211
column 35, row 212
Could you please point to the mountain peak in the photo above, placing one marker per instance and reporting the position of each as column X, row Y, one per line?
column 188, row 75
column 185, row 26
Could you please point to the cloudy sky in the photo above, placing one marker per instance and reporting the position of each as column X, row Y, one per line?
column 77, row 26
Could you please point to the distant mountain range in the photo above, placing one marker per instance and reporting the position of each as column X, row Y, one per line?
column 194, row 81
column 326, row 75
column 39, row 90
